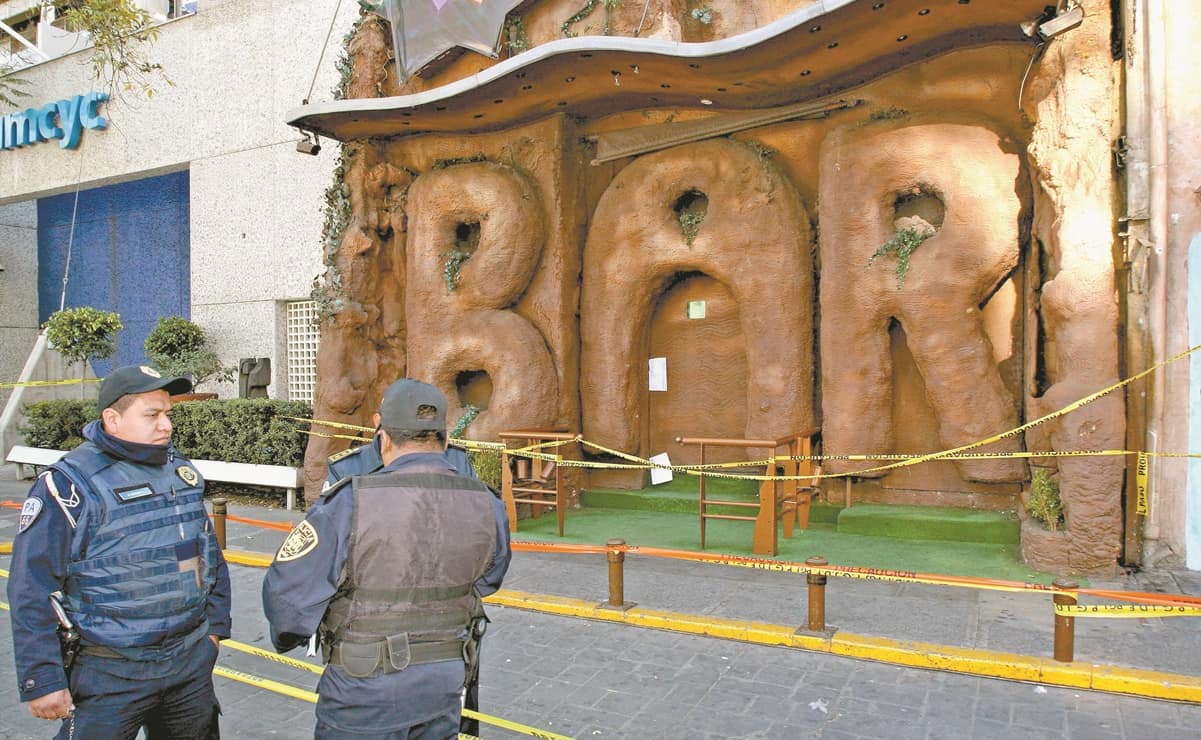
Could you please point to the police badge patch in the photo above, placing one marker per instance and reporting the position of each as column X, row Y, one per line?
column 300, row 542
column 29, row 513
column 189, row 476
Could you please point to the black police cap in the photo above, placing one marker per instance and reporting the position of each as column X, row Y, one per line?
column 132, row 379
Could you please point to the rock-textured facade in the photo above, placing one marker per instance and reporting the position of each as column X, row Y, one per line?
column 495, row 254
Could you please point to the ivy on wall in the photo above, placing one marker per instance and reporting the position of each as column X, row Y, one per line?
column 902, row 244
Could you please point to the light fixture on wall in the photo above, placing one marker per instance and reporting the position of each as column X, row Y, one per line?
column 1051, row 24
column 309, row 144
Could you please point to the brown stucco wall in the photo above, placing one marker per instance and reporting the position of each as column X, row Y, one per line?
column 1008, row 312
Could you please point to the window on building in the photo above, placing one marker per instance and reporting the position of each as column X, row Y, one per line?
column 303, row 335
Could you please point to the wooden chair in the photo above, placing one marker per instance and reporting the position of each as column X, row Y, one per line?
column 538, row 483
column 778, row 501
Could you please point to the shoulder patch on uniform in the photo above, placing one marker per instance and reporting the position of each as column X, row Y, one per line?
column 188, row 474
column 344, row 453
column 300, row 542
column 331, row 488
column 29, row 513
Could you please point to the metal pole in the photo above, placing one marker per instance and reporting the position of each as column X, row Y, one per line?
column 1065, row 627
column 219, row 520
column 817, row 595
column 617, row 557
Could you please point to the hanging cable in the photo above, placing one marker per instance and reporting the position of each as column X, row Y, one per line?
column 62, row 296
column 321, row 56
column 645, row 6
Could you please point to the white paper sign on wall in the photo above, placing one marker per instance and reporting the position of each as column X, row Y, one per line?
column 658, row 373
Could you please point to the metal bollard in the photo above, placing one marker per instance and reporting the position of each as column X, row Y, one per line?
column 817, row 595
column 617, row 558
column 219, row 520
column 1065, row 627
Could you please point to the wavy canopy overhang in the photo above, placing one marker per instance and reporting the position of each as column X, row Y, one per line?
column 824, row 49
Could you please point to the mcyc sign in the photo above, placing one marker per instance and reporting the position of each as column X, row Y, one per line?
column 63, row 120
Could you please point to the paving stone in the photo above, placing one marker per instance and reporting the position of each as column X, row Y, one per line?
column 577, row 677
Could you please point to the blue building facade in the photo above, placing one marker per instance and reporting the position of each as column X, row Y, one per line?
column 129, row 253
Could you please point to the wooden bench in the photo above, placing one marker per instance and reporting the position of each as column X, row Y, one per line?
column 538, row 483
column 785, row 501
column 274, row 476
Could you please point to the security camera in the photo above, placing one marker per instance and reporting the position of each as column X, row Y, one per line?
column 309, row 145
column 1050, row 24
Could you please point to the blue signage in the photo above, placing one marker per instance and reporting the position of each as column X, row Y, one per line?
column 63, row 120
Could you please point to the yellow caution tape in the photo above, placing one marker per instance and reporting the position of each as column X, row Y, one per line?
column 44, row 383
column 514, row 726
column 252, row 559
column 272, row 656
column 1126, row 611
column 334, row 424
column 265, row 683
column 1140, row 476
column 351, row 437
column 312, row 668
column 1036, row 422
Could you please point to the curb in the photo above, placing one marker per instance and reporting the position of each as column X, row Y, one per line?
column 971, row 661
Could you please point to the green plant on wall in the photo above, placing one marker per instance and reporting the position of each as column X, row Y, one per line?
column 1044, row 503
column 452, row 267
column 516, row 39
column 690, row 225
column 84, row 333
column 327, row 294
column 703, row 14
column 583, row 13
column 902, row 244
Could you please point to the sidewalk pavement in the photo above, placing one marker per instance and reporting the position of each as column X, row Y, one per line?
column 592, row 679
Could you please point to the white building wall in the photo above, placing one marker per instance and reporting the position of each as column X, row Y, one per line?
column 236, row 67
column 18, row 305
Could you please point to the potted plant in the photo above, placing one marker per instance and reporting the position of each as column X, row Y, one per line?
column 178, row 346
column 82, row 334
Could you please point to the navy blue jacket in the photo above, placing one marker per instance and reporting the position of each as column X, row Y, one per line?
column 41, row 553
column 297, row 592
column 367, row 459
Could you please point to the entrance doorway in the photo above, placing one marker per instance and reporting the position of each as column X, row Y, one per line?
column 696, row 327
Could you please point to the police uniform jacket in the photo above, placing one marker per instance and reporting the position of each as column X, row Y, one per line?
column 367, row 459
column 313, row 584
column 121, row 529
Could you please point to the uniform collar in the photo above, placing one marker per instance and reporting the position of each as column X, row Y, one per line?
column 422, row 459
column 123, row 450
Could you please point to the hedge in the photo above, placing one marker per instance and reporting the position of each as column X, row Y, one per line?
column 246, row 430
column 57, row 425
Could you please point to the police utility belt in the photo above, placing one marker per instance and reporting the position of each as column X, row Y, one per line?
column 390, row 655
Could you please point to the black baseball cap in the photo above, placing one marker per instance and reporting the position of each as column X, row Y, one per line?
column 401, row 408
column 133, row 379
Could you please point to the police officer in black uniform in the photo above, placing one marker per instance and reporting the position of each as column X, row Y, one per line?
column 118, row 533
column 388, row 571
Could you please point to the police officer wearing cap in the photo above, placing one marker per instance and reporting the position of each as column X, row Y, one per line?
column 117, row 532
column 388, row 572
column 367, row 459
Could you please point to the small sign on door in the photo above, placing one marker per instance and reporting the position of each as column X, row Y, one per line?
column 696, row 309
column 658, row 374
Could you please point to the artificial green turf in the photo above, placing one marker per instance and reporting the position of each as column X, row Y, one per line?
column 668, row 529
column 685, row 501
column 931, row 523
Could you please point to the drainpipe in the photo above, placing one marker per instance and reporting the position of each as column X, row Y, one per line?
column 1155, row 54
column 1136, row 232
